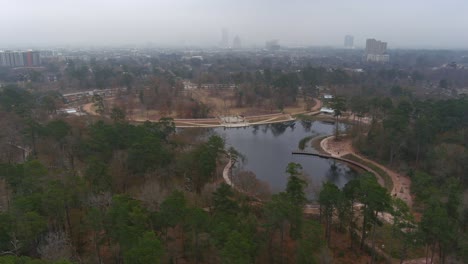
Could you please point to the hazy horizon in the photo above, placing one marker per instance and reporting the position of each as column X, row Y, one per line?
column 403, row 24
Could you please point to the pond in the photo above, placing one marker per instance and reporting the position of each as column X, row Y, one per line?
column 267, row 151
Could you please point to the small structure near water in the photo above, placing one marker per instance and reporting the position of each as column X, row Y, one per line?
column 233, row 121
column 327, row 110
column 70, row 111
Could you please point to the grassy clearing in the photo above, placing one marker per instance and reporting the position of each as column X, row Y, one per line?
column 387, row 179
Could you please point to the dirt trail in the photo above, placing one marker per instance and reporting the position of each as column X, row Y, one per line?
column 314, row 110
column 401, row 183
column 89, row 108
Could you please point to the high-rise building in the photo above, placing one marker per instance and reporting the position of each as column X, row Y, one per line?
column 236, row 43
column 376, row 51
column 5, row 59
column 28, row 58
column 36, row 58
column 377, row 47
column 224, row 38
column 349, row 41
column 20, row 58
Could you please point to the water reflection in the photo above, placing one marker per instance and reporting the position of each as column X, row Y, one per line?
column 255, row 129
column 267, row 149
column 279, row 128
column 307, row 124
column 333, row 173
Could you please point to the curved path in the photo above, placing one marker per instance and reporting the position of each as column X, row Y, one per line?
column 226, row 172
column 335, row 150
column 269, row 118
column 401, row 183
column 352, row 162
column 215, row 122
column 227, row 179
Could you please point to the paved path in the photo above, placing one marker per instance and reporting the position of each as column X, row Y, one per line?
column 313, row 111
column 227, row 179
column 215, row 122
column 226, row 172
column 352, row 162
column 401, row 183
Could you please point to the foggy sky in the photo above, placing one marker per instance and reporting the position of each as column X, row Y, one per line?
column 401, row 23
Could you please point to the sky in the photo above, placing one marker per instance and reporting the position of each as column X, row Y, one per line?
column 401, row 23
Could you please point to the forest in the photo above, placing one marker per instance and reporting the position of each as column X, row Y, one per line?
column 99, row 189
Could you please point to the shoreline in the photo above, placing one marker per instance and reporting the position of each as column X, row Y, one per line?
column 215, row 122
column 342, row 148
column 239, row 125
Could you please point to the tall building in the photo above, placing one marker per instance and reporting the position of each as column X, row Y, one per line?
column 224, row 38
column 377, row 47
column 28, row 58
column 349, row 41
column 376, row 51
column 20, row 58
column 36, row 58
column 5, row 59
column 236, row 43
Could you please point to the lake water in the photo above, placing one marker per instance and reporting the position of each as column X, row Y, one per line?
column 267, row 149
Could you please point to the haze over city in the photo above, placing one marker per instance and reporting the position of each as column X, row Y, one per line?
column 233, row 131
column 403, row 24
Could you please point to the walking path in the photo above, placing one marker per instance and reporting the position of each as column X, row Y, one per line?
column 217, row 122
column 227, row 179
column 401, row 183
column 226, row 172
column 337, row 149
column 380, row 180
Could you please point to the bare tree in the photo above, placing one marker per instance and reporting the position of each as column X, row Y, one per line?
column 15, row 246
column 56, row 246
column 12, row 147
column 152, row 194
column 248, row 182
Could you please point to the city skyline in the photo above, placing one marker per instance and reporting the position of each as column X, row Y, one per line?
column 376, row 51
column 20, row 58
column 186, row 23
